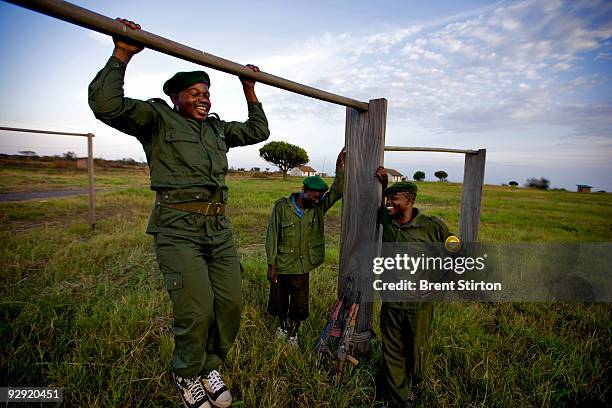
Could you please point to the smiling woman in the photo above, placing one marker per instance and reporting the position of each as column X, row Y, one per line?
column 187, row 156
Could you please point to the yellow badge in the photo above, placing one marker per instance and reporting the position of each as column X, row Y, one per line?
column 452, row 244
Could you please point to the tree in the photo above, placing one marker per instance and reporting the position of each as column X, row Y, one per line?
column 419, row 175
column 28, row 153
column 539, row 183
column 69, row 156
column 284, row 155
column 441, row 174
column 513, row 183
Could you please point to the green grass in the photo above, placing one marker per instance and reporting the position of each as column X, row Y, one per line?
column 86, row 310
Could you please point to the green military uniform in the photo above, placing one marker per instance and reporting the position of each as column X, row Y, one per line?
column 405, row 326
column 295, row 245
column 196, row 253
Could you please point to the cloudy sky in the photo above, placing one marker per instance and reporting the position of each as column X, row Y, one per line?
column 530, row 81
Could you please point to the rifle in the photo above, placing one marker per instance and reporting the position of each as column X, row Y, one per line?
column 332, row 317
column 347, row 337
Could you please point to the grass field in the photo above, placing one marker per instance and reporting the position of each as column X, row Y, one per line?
column 86, row 310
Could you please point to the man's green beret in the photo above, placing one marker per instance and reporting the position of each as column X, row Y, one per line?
column 315, row 183
column 401, row 187
column 183, row 80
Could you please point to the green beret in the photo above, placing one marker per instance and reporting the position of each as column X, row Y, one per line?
column 401, row 187
column 183, row 80
column 315, row 183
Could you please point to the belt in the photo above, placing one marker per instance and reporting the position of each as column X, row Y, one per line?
column 196, row 207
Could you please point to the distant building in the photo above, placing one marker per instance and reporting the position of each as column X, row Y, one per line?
column 395, row 175
column 583, row 188
column 81, row 163
column 302, row 171
column 323, row 175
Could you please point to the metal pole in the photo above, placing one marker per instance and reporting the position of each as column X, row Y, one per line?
column 428, row 149
column 90, row 176
column 49, row 132
column 85, row 18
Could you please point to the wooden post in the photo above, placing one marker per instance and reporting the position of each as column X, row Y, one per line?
column 90, row 177
column 365, row 143
column 473, row 180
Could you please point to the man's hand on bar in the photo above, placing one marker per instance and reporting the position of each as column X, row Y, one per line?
column 124, row 49
column 248, row 85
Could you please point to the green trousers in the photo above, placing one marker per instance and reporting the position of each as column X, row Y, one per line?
column 203, row 278
column 406, row 334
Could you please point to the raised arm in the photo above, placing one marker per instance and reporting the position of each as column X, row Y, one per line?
column 383, row 178
column 106, row 96
column 255, row 129
column 337, row 189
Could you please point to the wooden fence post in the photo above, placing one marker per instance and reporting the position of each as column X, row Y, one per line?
column 365, row 143
column 473, row 180
column 90, row 181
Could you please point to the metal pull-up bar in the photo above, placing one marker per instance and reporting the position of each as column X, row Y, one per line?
column 428, row 149
column 85, row 18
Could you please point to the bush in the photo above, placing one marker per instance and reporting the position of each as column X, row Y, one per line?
column 441, row 175
column 539, row 183
column 513, row 183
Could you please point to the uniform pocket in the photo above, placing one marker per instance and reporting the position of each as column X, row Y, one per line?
column 287, row 231
column 173, row 281
column 173, row 135
column 185, row 146
column 316, row 252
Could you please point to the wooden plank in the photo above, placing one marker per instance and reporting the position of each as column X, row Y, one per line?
column 85, row 18
column 428, row 149
column 90, row 181
column 365, row 142
column 473, row 180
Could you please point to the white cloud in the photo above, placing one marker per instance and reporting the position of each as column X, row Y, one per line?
column 503, row 67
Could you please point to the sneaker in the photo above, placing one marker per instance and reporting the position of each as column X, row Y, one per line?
column 293, row 342
column 281, row 333
column 218, row 394
column 191, row 391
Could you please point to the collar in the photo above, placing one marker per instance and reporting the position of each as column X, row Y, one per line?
column 416, row 221
column 297, row 209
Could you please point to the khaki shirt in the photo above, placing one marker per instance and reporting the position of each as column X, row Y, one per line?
column 421, row 228
column 297, row 245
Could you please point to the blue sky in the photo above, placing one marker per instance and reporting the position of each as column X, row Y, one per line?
column 530, row 81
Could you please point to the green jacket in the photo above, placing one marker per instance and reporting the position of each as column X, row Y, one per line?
column 421, row 228
column 297, row 245
column 187, row 159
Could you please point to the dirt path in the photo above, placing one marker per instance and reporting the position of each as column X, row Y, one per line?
column 31, row 195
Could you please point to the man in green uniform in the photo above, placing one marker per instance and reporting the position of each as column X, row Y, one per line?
column 405, row 326
column 295, row 245
column 186, row 151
